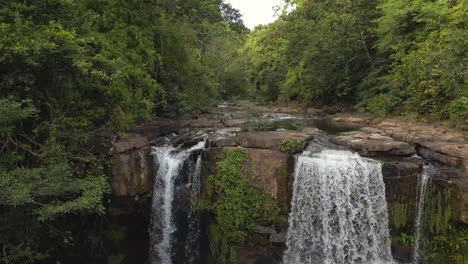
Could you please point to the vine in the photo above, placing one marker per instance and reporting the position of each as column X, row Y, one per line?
column 237, row 205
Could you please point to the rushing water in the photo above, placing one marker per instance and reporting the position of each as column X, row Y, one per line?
column 339, row 211
column 422, row 185
column 170, row 162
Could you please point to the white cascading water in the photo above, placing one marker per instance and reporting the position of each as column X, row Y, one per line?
column 170, row 162
column 339, row 211
column 422, row 186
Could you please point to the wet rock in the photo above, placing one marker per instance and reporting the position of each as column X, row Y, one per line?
column 278, row 237
column 402, row 253
column 260, row 254
column 182, row 137
column 401, row 188
column 455, row 182
column 402, row 168
column 373, row 144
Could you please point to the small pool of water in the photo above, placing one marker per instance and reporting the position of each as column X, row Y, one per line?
column 295, row 123
column 332, row 127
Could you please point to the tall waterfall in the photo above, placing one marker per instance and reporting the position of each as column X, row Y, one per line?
column 172, row 163
column 339, row 211
column 422, row 185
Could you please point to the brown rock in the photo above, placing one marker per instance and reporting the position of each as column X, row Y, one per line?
column 402, row 168
column 262, row 140
column 203, row 122
column 234, row 122
column 131, row 172
column 131, row 142
column 401, row 188
column 157, row 128
column 448, row 153
column 351, row 120
column 373, row 144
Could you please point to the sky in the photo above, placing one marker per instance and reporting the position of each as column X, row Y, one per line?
column 256, row 12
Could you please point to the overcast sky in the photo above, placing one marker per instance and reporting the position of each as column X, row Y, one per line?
column 256, row 12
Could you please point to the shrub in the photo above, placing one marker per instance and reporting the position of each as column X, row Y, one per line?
column 458, row 109
column 381, row 105
column 287, row 145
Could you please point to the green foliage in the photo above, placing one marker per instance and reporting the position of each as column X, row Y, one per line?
column 401, row 212
column 318, row 52
column 380, row 55
column 458, row 109
column 381, row 105
column 264, row 54
column 237, row 205
column 118, row 259
column 12, row 113
column 427, row 43
column 287, row 145
column 450, row 247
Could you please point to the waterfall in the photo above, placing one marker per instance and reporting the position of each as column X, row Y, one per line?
column 170, row 162
column 422, row 186
column 339, row 211
column 192, row 246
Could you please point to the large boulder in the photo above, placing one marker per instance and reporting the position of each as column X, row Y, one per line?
column 264, row 140
column 453, row 154
column 158, row 127
column 131, row 166
column 434, row 142
column 130, row 142
column 373, row 144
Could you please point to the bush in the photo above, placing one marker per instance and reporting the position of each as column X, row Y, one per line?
column 458, row 109
column 237, row 205
column 287, row 145
column 382, row 104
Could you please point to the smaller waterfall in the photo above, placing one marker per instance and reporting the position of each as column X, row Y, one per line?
column 339, row 211
column 170, row 162
column 422, row 186
column 192, row 245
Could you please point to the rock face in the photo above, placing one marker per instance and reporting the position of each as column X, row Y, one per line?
column 448, row 153
column 271, row 169
column 131, row 166
column 454, row 182
column 434, row 143
column 373, row 144
column 263, row 140
column 401, row 184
